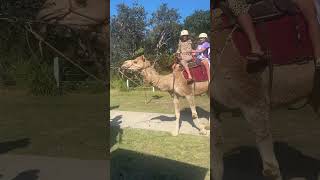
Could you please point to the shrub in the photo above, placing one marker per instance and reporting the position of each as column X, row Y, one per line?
column 41, row 80
column 118, row 84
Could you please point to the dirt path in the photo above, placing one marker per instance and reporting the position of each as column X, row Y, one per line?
column 156, row 121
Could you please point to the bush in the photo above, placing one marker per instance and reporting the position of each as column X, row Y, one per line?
column 118, row 84
column 41, row 80
column 84, row 86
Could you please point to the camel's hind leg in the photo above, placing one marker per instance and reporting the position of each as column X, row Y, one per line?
column 216, row 150
column 258, row 118
column 177, row 112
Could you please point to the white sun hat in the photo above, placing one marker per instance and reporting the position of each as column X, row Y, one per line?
column 203, row 35
column 184, row 33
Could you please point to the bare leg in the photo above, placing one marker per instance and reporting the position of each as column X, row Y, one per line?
column 188, row 71
column 206, row 65
column 246, row 23
column 184, row 62
column 258, row 117
column 177, row 112
column 309, row 11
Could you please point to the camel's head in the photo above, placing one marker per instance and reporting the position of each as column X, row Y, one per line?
column 137, row 64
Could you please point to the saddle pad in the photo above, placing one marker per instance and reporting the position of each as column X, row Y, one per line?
column 198, row 73
column 285, row 38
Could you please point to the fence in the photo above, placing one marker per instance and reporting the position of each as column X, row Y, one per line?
column 68, row 76
column 128, row 86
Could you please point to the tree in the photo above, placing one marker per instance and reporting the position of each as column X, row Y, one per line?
column 198, row 22
column 127, row 32
column 163, row 35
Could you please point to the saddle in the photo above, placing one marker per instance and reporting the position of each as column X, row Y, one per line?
column 280, row 28
column 198, row 71
column 282, row 32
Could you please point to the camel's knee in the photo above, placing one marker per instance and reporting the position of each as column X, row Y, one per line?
column 261, row 135
column 194, row 115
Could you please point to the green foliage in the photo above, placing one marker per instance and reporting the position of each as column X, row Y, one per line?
column 22, row 64
column 127, row 32
column 92, row 87
column 198, row 22
column 118, row 84
column 41, row 80
column 139, row 52
column 132, row 34
column 165, row 29
column 21, row 8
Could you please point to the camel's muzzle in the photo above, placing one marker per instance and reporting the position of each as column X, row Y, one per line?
column 125, row 66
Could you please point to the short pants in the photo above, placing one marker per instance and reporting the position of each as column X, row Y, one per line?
column 238, row 7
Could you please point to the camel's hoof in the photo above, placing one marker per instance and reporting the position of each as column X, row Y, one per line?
column 271, row 174
column 175, row 133
column 204, row 132
column 194, row 116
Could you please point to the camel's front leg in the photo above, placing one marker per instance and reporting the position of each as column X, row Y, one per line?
column 258, row 118
column 192, row 105
column 177, row 112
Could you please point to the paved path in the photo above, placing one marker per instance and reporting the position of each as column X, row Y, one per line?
column 155, row 121
column 23, row 167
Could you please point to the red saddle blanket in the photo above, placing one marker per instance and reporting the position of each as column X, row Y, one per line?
column 286, row 38
column 198, row 73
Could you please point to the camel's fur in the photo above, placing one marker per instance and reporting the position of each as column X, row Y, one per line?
column 235, row 88
column 173, row 83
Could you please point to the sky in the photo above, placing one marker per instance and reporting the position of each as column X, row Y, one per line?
column 185, row 7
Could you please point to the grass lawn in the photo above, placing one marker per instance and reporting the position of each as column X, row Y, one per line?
column 157, row 155
column 73, row 125
column 160, row 154
column 158, row 101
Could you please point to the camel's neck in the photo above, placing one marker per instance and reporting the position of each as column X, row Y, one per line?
column 151, row 76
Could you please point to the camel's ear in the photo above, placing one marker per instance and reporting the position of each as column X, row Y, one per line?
column 143, row 58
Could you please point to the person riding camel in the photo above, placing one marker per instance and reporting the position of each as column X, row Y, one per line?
column 203, row 52
column 257, row 58
column 184, row 51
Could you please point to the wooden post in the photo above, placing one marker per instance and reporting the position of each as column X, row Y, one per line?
column 128, row 84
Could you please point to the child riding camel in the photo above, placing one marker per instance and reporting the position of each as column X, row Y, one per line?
column 256, row 60
column 185, row 50
column 203, row 52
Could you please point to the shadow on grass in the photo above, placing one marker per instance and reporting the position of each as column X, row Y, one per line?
column 114, row 107
column 154, row 97
column 7, row 146
column 245, row 163
column 115, row 130
column 28, row 175
column 186, row 115
column 130, row 165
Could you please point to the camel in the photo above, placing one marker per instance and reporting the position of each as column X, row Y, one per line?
column 175, row 84
column 234, row 88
